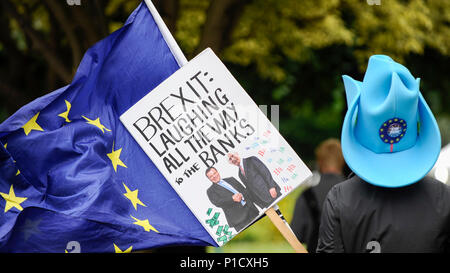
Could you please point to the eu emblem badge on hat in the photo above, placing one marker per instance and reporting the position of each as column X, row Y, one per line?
column 390, row 137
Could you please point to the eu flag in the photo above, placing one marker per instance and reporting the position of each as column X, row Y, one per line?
column 72, row 179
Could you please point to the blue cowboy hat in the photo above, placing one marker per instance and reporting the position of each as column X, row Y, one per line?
column 390, row 137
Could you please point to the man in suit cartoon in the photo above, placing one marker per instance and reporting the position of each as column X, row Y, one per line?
column 257, row 179
column 229, row 195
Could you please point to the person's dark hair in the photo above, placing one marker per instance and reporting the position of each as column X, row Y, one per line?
column 207, row 170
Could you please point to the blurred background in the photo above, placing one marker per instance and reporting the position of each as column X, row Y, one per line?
column 290, row 53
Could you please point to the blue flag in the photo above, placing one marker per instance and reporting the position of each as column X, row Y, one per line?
column 72, row 179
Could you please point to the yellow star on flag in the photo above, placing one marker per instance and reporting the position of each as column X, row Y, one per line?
column 114, row 156
column 12, row 200
column 145, row 224
column 118, row 250
column 18, row 171
column 97, row 124
column 133, row 197
column 6, row 144
column 65, row 115
column 32, row 125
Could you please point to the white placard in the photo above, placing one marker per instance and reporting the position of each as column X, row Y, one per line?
column 201, row 117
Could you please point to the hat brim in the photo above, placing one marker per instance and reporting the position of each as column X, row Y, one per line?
column 396, row 169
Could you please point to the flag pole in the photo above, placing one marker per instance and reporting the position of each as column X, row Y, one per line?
column 285, row 230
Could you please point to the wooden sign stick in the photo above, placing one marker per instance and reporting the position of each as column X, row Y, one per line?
column 285, row 231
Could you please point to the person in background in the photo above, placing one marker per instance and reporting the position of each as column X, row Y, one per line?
column 308, row 207
column 390, row 140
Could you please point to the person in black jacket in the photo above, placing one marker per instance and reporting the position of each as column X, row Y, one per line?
column 308, row 207
column 360, row 217
column 229, row 195
column 390, row 140
column 257, row 179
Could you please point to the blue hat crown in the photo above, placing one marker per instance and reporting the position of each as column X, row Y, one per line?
column 387, row 117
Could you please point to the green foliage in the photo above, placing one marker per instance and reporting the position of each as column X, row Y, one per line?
column 269, row 31
column 117, row 7
column 398, row 28
column 191, row 19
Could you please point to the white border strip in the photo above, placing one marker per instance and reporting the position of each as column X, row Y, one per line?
column 171, row 43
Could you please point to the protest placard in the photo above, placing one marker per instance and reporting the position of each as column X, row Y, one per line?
column 215, row 147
